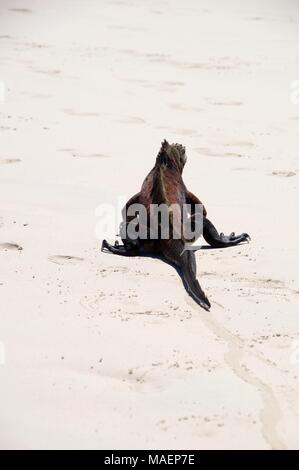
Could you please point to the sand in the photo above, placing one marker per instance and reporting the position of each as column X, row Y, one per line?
column 99, row 351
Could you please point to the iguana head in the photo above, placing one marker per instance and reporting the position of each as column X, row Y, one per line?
column 172, row 156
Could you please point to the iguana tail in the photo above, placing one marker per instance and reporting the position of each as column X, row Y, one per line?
column 191, row 283
column 186, row 262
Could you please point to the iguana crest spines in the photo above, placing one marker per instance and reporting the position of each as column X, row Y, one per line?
column 172, row 156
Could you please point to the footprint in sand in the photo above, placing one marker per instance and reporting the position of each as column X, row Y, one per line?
column 125, row 28
column 226, row 103
column 10, row 246
column 89, row 155
column 21, row 10
column 285, row 174
column 71, row 112
column 244, row 169
column 36, row 95
column 42, row 96
column 7, row 161
column 210, row 153
column 53, row 72
column 181, row 107
column 239, row 143
column 178, row 131
column 83, row 155
column 130, row 120
column 113, row 269
column 64, row 259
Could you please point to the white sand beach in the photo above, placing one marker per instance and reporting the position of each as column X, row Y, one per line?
column 105, row 352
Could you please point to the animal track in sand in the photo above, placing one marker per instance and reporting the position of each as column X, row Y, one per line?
column 267, row 282
column 55, row 73
column 172, row 83
column 255, row 18
column 76, row 154
column 36, row 95
column 10, row 246
column 207, row 152
column 285, row 174
column 249, row 286
column 21, row 10
column 239, row 143
column 176, row 367
column 130, row 120
column 181, row 107
column 118, row 2
column 7, row 161
column 35, row 45
column 90, row 155
column 265, row 286
column 226, row 103
column 52, row 72
column 128, row 307
column 168, row 86
column 276, row 340
column 154, row 313
column 178, row 131
column 65, row 259
column 219, row 63
column 91, row 303
column 244, row 169
column 100, row 302
column 148, row 56
column 126, row 28
column 72, row 112
column 104, row 272
column 205, row 423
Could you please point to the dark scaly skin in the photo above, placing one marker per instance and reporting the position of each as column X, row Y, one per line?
column 164, row 184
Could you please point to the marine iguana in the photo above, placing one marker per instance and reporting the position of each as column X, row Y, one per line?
column 164, row 185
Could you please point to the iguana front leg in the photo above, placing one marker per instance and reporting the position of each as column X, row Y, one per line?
column 210, row 233
column 116, row 249
column 217, row 240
